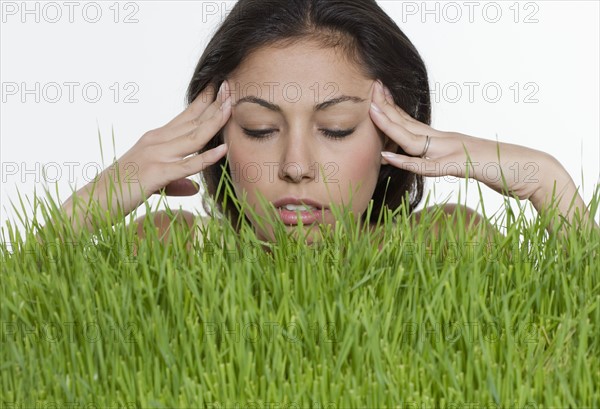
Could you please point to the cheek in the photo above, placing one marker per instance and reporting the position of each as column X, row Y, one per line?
column 361, row 170
column 239, row 167
column 362, row 167
column 242, row 149
column 246, row 168
column 364, row 159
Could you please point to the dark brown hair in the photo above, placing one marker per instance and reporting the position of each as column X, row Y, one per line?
column 368, row 37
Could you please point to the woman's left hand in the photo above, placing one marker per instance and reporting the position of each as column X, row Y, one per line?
column 508, row 169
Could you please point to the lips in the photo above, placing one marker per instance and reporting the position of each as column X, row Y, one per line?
column 298, row 202
column 293, row 210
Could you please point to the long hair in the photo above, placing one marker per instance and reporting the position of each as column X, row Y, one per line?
column 368, row 37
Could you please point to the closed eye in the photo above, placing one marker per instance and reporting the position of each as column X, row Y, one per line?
column 329, row 133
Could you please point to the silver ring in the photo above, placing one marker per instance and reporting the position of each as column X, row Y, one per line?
column 426, row 147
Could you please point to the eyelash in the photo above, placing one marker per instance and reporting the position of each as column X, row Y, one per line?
column 264, row 133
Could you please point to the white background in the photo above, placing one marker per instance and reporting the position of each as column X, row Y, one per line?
column 548, row 48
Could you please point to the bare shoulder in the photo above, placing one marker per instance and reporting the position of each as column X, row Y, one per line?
column 472, row 217
column 450, row 208
column 163, row 222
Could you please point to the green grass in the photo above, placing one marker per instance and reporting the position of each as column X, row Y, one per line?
column 455, row 321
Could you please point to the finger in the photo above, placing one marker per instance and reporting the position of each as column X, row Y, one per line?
column 180, row 187
column 195, row 164
column 393, row 118
column 408, row 141
column 204, row 100
column 422, row 166
column 169, row 133
column 397, row 114
column 199, row 132
column 390, row 100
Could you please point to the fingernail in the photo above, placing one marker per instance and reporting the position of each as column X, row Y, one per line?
column 388, row 155
column 226, row 104
column 221, row 88
column 375, row 108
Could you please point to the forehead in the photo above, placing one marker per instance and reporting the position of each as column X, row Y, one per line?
column 280, row 72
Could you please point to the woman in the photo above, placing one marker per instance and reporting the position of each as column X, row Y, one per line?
column 313, row 90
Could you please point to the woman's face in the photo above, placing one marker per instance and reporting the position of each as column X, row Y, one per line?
column 282, row 91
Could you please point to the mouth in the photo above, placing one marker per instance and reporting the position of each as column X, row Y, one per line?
column 292, row 211
column 307, row 216
column 300, row 208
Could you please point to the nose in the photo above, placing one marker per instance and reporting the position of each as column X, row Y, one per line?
column 296, row 164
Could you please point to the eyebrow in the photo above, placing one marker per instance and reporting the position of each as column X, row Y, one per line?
column 318, row 107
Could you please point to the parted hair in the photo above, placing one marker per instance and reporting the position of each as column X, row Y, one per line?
column 368, row 37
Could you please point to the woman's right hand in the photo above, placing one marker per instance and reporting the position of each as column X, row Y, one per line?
column 160, row 158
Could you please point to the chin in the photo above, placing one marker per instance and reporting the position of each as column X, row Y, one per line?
column 311, row 234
